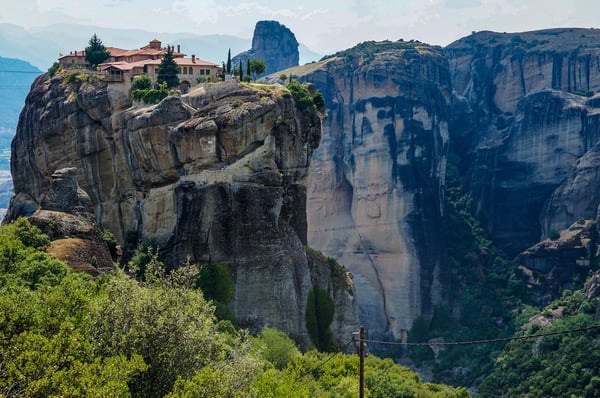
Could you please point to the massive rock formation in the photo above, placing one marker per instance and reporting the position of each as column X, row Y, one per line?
column 275, row 44
column 375, row 187
column 524, row 121
column 217, row 175
column 221, row 174
column 557, row 263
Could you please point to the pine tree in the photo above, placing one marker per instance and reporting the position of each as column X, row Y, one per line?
column 168, row 70
column 96, row 53
column 229, row 61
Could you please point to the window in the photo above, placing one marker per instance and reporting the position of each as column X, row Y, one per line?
column 202, row 72
column 180, row 70
column 208, row 71
column 190, row 71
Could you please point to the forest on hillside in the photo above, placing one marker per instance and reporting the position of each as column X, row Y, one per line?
column 63, row 333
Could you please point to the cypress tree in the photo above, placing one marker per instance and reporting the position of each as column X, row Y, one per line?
column 248, row 71
column 96, row 53
column 168, row 70
column 241, row 70
column 229, row 61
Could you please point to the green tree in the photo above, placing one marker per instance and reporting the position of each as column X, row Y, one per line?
column 172, row 328
column 319, row 315
column 229, row 61
column 257, row 66
column 216, row 283
column 168, row 70
column 142, row 82
column 241, row 70
column 277, row 347
column 96, row 53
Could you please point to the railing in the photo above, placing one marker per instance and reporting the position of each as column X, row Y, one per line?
column 113, row 78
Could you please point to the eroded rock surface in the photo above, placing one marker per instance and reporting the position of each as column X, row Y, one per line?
column 375, row 186
column 217, row 175
column 560, row 262
column 523, row 122
column 274, row 43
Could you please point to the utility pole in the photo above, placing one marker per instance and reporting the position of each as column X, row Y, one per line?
column 361, row 356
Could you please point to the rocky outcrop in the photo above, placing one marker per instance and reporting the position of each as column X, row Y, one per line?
column 523, row 122
column 216, row 175
column 560, row 262
column 65, row 214
column 275, row 44
column 374, row 201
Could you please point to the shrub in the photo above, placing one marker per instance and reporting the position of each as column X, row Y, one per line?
column 53, row 69
column 149, row 96
column 216, row 283
column 142, row 82
column 554, row 234
column 319, row 315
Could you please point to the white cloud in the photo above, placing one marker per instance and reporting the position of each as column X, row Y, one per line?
column 324, row 25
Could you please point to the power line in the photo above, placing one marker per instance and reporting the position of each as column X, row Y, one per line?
column 498, row 340
column 21, row 71
column 328, row 359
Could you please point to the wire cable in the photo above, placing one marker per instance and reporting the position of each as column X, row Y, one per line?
column 20, row 71
column 328, row 359
column 502, row 339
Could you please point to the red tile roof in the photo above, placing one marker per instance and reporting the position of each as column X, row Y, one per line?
column 183, row 62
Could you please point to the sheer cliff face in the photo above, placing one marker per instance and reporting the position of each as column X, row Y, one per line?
column 217, row 175
column 374, row 191
column 275, row 44
column 526, row 124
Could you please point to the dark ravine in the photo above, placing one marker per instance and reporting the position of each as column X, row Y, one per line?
column 217, row 175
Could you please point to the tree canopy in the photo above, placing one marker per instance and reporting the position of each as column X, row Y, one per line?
column 96, row 53
column 228, row 67
column 65, row 334
column 168, row 70
column 257, row 66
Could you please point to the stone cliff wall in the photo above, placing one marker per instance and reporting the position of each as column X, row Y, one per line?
column 217, row 175
column 376, row 180
column 275, row 44
column 523, row 123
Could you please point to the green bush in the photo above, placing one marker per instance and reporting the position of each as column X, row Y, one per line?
column 149, row 96
column 216, row 282
column 319, row 315
column 142, row 82
column 277, row 347
column 53, row 69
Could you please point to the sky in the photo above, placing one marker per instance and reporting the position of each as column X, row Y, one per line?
column 325, row 26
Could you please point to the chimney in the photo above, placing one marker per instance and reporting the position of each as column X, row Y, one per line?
column 178, row 48
column 193, row 58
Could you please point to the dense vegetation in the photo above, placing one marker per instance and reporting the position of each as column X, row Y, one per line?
column 480, row 302
column 64, row 334
column 561, row 365
column 486, row 301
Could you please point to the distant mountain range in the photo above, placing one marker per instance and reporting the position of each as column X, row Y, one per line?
column 16, row 77
column 42, row 46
